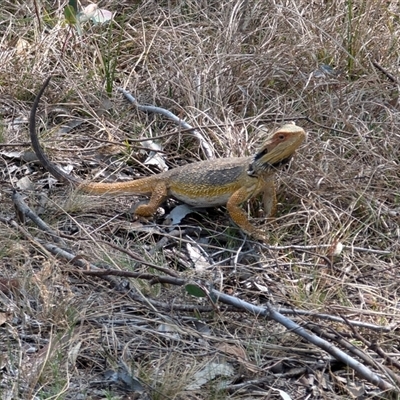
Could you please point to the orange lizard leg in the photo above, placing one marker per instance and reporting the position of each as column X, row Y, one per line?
column 159, row 194
column 240, row 217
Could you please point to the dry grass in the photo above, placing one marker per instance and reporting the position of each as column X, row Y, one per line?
column 227, row 67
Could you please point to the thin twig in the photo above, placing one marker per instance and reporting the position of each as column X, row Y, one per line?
column 207, row 148
column 340, row 355
column 27, row 212
column 137, row 275
column 375, row 347
column 322, row 246
column 140, row 259
column 336, row 337
column 270, row 312
column 384, row 72
column 334, row 318
column 85, row 265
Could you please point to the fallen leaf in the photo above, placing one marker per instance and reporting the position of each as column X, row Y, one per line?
column 209, row 372
column 24, row 183
column 3, row 318
column 199, row 261
column 178, row 213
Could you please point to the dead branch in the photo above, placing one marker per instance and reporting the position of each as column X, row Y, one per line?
column 208, row 150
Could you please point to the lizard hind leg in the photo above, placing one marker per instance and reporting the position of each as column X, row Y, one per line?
column 159, row 194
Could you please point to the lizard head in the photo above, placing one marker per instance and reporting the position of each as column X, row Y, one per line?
column 278, row 148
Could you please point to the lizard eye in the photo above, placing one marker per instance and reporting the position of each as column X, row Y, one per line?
column 281, row 137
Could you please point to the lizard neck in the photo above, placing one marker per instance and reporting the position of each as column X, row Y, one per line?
column 257, row 167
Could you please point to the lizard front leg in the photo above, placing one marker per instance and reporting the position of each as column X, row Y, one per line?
column 158, row 195
column 240, row 217
column 269, row 199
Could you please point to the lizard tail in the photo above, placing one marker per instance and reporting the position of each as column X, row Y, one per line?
column 41, row 155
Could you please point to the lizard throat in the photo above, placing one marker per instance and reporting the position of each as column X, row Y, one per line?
column 255, row 167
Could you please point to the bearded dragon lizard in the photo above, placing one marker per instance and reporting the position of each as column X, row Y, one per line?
column 222, row 182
